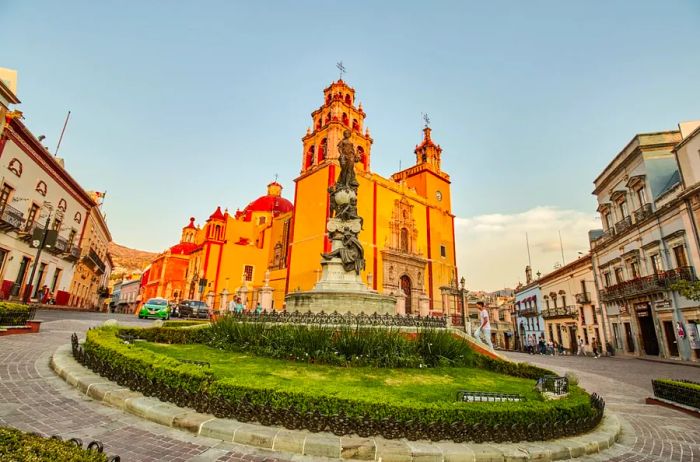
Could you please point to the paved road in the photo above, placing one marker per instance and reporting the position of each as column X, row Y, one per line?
column 32, row 398
column 650, row 433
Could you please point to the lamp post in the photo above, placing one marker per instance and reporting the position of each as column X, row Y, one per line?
column 463, row 294
column 42, row 244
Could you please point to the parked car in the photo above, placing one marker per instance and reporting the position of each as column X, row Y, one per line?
column 155, row 308
column 192, row 309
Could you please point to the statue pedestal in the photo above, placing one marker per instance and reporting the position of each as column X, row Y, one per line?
column 340, row 291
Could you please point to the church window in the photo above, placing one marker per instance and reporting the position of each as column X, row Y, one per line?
column 347, row 99
column 261, row 220
column 363, row 156
column 355, row 125
column 248, row 273
column 322, row 150
column 328, row 118
column 404, row 240
column 346, row 120
column 443, row 251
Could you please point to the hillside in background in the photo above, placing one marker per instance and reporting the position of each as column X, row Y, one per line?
column 127, row 261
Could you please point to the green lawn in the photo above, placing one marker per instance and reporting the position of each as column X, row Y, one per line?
column 405, row 385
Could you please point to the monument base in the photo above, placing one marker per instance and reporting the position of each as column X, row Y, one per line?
column 340, row 291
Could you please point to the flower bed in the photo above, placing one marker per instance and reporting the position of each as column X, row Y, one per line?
column 303, row 407
column 16, row 445
column 680, row 391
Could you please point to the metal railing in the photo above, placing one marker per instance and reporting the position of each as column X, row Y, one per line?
column 647, row 284
column 560, row 312
column 642, row 213
column 335, row 318
column 11, row 217
column 17, row 317
column 623, row 224
column 583, row 297
column 527, row 312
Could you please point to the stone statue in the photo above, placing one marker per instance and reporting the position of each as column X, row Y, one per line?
column 348, row 157
column 351, row 253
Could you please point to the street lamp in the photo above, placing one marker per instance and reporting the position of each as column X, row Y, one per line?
column 47, row 239
column 463, row 294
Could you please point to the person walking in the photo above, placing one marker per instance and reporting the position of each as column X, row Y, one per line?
column 580, row 351
column 595, row 346
column 485, row 326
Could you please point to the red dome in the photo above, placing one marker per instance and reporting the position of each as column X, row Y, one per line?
column 270, row 203
column 183, row 248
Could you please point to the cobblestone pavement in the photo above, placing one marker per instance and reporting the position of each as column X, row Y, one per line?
column 650, row 433
column 33, row 398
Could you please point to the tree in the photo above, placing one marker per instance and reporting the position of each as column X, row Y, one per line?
column 690, row 290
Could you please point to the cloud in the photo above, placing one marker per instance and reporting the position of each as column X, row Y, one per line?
column 491, row 249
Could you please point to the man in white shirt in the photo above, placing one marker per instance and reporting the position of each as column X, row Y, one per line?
column 485, row 326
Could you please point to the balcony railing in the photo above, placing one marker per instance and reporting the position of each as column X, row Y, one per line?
column 73, row 252
column 10, row 217
column 527, row 312
column 642, row 212
column 93, row 261
column 623, row 224
column 570, row 311
column 61, row 245
column 647, row 284
column 582, row 298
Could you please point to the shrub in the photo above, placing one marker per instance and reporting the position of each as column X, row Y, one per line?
column 572, row 378
column 680, row 391
column 19, row 446
column 183, row 323
column 14, row 314
column 302, row 407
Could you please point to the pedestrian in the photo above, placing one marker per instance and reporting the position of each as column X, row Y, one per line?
column 485, row 326
column 580, row 351
column 258, row 308
column 542, row 346
column 594, row 345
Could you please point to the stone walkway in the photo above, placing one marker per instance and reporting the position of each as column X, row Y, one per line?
column 33, row 398
column 650, row 433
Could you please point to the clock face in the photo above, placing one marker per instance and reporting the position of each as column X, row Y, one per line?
column 438, row 195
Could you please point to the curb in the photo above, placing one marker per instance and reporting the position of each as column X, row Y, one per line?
column 325, row 444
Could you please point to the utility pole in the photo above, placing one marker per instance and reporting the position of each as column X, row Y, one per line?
column 42, row 243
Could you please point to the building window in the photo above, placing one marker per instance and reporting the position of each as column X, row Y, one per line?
column 262, row 220
column 563, row 300
column 595, row 317
column 624, row 210
column 5, row 195
column 606, row 279
column 31, row 218
column 634, row 267
column 642, row 196
column 619, row 277
column 443, row 251
column 656, row 266
column 57, row 224
column 248, row 273
column 71, row 237
column 679, row 253
column 608, row 221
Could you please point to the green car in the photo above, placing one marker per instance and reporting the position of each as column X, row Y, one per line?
column 155, row 308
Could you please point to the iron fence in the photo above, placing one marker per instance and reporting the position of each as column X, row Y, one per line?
column 17, row 317
column 342, row 319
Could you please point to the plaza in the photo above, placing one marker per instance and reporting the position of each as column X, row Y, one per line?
column 33, row 398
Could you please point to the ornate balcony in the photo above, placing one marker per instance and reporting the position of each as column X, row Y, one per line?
column 583, row 298
column 93, row 261
column 60, row 246
column 527, row 312
column 642, row 213
column 73, row 253
column 647, row 284
column 10, row 218
column 570, row 311
column 623, row 224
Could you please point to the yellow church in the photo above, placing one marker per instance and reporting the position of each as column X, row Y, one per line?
column 274, row 246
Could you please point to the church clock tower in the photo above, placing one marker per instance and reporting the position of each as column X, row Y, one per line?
column 319, row 170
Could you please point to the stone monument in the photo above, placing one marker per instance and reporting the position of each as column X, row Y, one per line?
column 341, row 287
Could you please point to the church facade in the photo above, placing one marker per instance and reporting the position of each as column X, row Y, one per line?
column 407, row 233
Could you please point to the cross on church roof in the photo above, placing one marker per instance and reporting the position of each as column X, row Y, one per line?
column 426, row 119
column 341, row 68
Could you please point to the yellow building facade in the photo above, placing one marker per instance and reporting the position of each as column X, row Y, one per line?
column 408, row 227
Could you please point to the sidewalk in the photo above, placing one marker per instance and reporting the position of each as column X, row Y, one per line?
column 678, row 362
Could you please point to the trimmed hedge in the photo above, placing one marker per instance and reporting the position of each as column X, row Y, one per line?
column 680, row 391
column 15, row 314
column 303, row 408
column 16, row 445
column 184, row 323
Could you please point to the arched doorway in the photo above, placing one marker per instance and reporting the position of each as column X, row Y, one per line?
column 405, row 283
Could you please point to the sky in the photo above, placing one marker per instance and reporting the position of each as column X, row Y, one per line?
column 178, row 107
